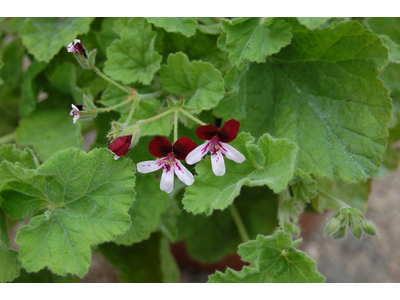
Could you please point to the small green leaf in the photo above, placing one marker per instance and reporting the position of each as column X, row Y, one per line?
column 186, row 26
column 303, row 186
column 394, row 49
column 44, row 37
column 274, row 259
column 88, row 197
column 26, row 158
column 199, row 82
column 388, row 26
column 269, row 163
column 146, row 211
column 132, row 58
column 49, row 131
column 253, row 39
column 209, row 25
column 312, row 23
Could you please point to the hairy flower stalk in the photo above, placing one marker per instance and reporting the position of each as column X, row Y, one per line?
column 217, row 140
column 169, row 156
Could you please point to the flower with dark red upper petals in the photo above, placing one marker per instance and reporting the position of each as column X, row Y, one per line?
column 217, row 140
column 121, row 146
column 169, row 156
column 77, row 48
column 75, row 112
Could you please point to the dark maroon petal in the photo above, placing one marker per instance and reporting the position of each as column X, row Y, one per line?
column 121, row 145
column 206, row 132
column 183, row 147
column 229, row 131
column 80, row 107
column 80, row 49
column 159, row 146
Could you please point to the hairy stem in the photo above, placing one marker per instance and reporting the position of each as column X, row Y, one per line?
column 98, row 72
column 10, row 137
column 239, row 223
column 282, row 216
column 332, row 199
column 156, row 117
column 175, row 126
column 108, row 109
column 144, row 97
column 192, row 117
column 128, row 119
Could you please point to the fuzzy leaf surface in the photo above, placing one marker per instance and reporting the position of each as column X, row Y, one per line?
column 200, row 83
column 270, row 162
column 132, row 58
column 88, row 196
column 26, row 158
column 312, row 23
column 44, row 37
column 273, row 259
column 326, row 98
column 186, row 26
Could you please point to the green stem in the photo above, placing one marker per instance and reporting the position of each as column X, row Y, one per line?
column 128, row 119
column 332, row 199
column 8, row 137
column 192, row 117
column 98, row 72
column 107, row 109
column 175, row 126
column 156, row 117
column 3, row 229
column 282, row 216
column 144, row 97
column 239, row 223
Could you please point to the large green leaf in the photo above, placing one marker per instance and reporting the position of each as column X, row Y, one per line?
column 253, row 39
column 132, row 58
column 273, row 259
column 87, row 197
column 186, row 26
column 312, row 23
column 26, row 158
column 49, row 131
column 146, row 211
column 388, row 26
column 270, row 162
column 148, row 261
column 326, row 98
column 43, row 276
column 394, row 49
column 44, row 37
column 199, row 82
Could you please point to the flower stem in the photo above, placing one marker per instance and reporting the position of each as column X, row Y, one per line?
column 192, row 117
column 156, row 117
column 107, row 109
column 3, row 229
column 128, row 119
column 98, row 72
column 332, row 199
column 175, row 126
column 239, row 223
column 8, row 137
column 282, row 216
column 144, row 97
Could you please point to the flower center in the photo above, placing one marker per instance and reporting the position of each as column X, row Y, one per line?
column 215, row 146
column 169, row 161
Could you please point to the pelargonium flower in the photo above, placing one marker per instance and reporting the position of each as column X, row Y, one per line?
column 77, row 48
column 121, row 146
column 75, row 112
column 169, row 156
column 217, row 140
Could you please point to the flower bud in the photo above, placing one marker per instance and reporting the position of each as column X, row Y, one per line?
column 369, row 228
column 78, row 112
column 121, row 146
column 356, row 230
column 332, row 226
column 340, row 233
column 80, row 54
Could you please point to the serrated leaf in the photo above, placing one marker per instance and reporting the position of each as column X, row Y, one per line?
column 270, row 162
column 146, row 211
column 390, row 77
column 44, row 37
column 49, row 131
column 132, row 58
column 253, row 39
column 26, row 158
column 312, row 23
column 326, row 98
column 394, row 49
column 88, row 197
column 144, row 262
column 186, row 26
column 211, row 238
column 388, row 26
column 303, row 186
column 43, row 276
column 274, row 259
column 199, row 82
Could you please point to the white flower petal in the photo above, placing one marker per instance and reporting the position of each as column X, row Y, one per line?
column 76, row 117
column 76, row 41
column 69, row 47
column 183, row 174
column 231, row 153
column 167, row 180
column 197, row 154
column 217, row 163
column 149, row 166
column 116, row 156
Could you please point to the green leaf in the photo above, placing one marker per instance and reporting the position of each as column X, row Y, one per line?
column 49, row 131
column 326, row 98
column 394, row 49
column 312, row 23
column 270, row 162
column 132, row 58
column 186, row 26
column 199, row 82
column 30, row 89
column 146, row 211
column 148, row 261
column 43, row 276
column 44, row 37
column 390, row 77
column 112, row 96
column 168, row 224
column 388, row 26
column 88, row 197
column 209, row 25
column 273, row 259
column 253, row 39
column 303, row 186
column 26, row 158
column 9, row 262
column 211, row 238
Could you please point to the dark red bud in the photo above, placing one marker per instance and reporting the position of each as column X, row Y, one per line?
column 121, row 145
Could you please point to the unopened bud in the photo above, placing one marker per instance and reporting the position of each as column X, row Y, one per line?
column 292, row 228
column 80, row 54
column 340, row 233
column 369, row 228
column 89, row 103
column 332, row 226
column 91, row 61
column 356, row 230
